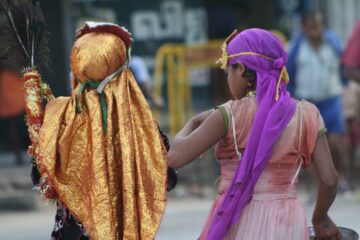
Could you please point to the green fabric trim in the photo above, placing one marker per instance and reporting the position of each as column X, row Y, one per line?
column 78, row 97
column 225, row 116
column 103, row 111
column 102, row 101
column 322, row 132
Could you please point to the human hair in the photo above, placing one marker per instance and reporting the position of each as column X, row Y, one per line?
column 249, row 73
column 310, row 15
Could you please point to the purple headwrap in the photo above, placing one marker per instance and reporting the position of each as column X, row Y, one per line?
column 262, row 52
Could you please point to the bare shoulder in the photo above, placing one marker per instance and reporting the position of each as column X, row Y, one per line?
column 245, row 102
column 308, row 107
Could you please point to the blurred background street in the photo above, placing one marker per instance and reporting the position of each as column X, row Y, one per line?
column 176, row 44
column 184, row 219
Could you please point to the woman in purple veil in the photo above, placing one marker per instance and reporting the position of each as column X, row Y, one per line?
column 263, row 138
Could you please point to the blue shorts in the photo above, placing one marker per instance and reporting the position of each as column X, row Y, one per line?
column 332, row 112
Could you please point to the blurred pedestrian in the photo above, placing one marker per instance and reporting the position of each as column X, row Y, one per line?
column 142, row 77
column 351, row 63
column 351, row 56
column 262, row 143
column 11, row 109
column 315, row 71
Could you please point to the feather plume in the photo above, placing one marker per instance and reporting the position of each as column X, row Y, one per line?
column 23, row 42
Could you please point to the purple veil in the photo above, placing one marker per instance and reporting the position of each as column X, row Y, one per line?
column 262, row 52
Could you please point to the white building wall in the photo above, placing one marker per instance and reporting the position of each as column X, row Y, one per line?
column 341, row 16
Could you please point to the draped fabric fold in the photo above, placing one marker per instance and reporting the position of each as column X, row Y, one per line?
column 115, row 183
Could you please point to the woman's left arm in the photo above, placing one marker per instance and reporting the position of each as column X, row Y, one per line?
column 199, row 134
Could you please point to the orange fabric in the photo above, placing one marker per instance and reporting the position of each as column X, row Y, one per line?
column 11, row 95
column 113, row 183
column 110, row 55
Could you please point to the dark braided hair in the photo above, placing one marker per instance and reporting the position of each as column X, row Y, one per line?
column 171, row 172
column 250, row 76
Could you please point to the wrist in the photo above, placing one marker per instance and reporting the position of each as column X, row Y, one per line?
column 318, row 218
column 29, row 70
column 195, row 122
column 31, row 75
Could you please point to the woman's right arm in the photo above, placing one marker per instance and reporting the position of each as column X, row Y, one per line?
column 323, row 225
column 199, row 134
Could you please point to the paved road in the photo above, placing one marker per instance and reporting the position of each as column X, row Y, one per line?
column 183, row 219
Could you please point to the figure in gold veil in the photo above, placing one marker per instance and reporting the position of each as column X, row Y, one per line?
column 99, row 153
column 100, row 149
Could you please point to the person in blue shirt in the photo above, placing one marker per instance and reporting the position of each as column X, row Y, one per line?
column 316, row 76
column 142, row 77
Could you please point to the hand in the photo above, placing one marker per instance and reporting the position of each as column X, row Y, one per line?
column 325, row 229
column 158, row 102
column 201, row 117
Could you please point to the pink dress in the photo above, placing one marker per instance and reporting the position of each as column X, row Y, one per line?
column 274, row 213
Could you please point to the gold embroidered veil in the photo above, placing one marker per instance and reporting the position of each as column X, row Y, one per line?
column 100, row 148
